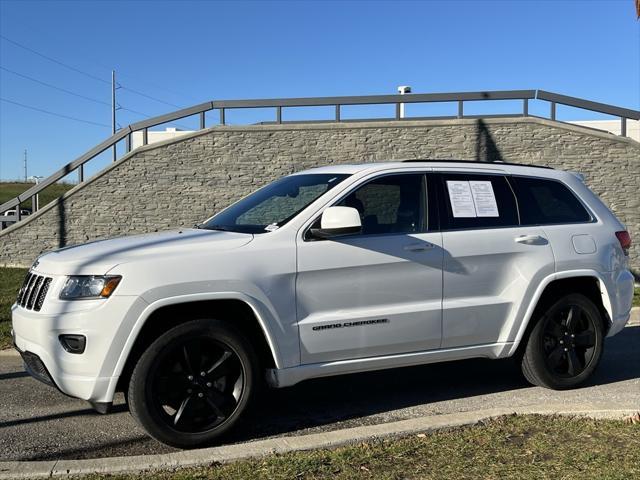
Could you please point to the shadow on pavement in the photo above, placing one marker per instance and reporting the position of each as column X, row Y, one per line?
column 131, row 446
column 61, row 415
column 8, row 376
column 325, row 401
column 335, row 399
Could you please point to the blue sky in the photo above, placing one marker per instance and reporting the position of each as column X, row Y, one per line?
column 184, row 53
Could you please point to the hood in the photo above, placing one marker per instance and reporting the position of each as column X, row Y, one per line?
column 98, row 257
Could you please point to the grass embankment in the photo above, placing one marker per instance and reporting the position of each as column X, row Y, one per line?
column 11, row 278
column 10, row 282
column 9, row 190
column 523, row 447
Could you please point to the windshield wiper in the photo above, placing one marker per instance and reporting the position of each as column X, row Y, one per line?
column 222, row 228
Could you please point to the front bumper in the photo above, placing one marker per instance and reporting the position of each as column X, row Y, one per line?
column 90, row 375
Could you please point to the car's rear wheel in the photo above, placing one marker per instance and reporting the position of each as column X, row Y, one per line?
column 565, row 345
column 193, row 383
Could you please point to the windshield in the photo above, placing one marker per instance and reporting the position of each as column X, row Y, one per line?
column 274, row 205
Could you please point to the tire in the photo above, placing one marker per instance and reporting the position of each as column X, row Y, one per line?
column 555, row 359
column 193, row 384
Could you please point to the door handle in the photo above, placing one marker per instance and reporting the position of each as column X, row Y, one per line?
column 531, row 240
column 419, row 247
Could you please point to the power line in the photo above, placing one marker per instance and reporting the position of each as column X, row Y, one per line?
column 82, row 72
column 54, row 60
column 53, row 113
column 54, row 87
column 134, row 111
column 149, row 116
column 152, row 84
column 77, row 70
column 150, row 97
column 72, row 93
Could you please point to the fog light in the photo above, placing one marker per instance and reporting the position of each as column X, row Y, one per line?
column 73, row 343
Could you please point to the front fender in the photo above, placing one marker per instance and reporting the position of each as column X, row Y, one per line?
column 263, row 311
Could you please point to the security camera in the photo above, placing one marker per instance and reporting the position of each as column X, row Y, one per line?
column 404, row 89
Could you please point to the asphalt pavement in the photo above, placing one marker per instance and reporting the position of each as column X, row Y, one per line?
column 39, row 423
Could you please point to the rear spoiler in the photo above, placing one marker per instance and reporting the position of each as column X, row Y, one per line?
column 578, row 175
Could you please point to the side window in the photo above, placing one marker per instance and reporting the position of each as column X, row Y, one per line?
column 546, row 202
column 390, row 204
column 476, row 201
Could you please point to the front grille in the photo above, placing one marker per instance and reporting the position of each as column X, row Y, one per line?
column 34, row 289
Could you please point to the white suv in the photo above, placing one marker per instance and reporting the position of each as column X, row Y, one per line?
column 334, row 270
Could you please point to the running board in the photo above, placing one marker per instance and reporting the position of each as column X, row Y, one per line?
column 285, row 377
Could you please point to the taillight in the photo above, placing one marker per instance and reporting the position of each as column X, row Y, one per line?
column 625, row 241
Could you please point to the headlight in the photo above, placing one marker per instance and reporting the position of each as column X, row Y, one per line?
column 89, row 286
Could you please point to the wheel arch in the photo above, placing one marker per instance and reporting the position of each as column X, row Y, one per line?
column 154, row 321
column 589, row 282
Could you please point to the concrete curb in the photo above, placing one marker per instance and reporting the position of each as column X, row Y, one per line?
column 9, row 352
column 229, row 453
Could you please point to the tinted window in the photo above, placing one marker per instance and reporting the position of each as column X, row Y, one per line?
column 547, row 201
column 390, row 204
column 477, row 201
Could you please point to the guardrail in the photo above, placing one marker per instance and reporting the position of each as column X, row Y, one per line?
column 125, row 134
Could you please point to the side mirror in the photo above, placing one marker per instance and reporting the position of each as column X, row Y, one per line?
column 336, row 221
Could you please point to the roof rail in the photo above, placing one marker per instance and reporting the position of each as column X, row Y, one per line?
column 480, row 162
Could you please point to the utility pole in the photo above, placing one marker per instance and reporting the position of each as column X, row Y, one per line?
column 25, row 165
column 113, row 109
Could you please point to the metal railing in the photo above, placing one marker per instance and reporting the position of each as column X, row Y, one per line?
column 222, row 106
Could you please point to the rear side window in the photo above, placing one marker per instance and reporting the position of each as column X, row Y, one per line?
column 476, row 201
column 544, row 201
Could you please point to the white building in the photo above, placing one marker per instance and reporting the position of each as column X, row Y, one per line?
column 154, row 136
column 612, row 126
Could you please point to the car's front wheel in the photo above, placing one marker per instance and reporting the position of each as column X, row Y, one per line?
column 193, row 383
column 565, row 345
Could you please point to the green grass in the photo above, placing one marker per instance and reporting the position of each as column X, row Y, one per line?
column 636, row 297
column 9, row 190
column 10, row 282
column 521, row 447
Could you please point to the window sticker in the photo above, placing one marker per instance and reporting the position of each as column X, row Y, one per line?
column 461, row 199
column 484, row 198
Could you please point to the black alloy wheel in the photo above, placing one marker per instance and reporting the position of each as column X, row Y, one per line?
column 193, row 383
column 565, row 344
column 197, row 384
column 570, row 340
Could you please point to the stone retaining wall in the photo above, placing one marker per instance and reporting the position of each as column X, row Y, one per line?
column 183, row 181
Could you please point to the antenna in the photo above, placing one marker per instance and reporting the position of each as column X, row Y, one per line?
column 25, row 165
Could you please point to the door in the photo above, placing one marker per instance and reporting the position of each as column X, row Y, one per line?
column 492, row 265
column 378, row 292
